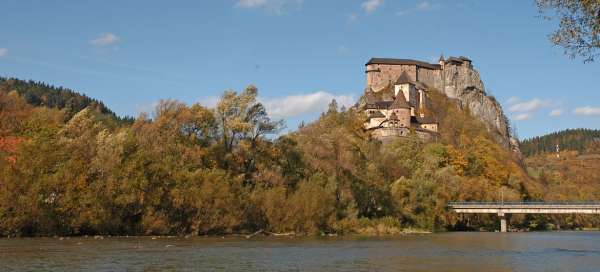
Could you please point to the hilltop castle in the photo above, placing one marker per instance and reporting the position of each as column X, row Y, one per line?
column 396, row 95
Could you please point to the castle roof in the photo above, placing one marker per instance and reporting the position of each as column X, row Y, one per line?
column 376, row 114
column 464, row 58
column 370, row 106
column 400, row 103
column 428, row 119
column 370, row 98
column 455, row 59
column 387, row 94
column 390, row 61
column 421, row 86
column 404, row 78
column 383, row 104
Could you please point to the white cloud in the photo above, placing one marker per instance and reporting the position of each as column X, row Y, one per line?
column 105, row 39
column 251, row 3
column 297, row 105
column 528, row 106
column 371, row 5
column 293, row 105
column 513, row 100
column 424, row 5
column 587, row 110
column 556, row 112
column 421, row 6
column 147, row 107
column 524, row 110
column 343, row 50
column 210, row 102
column 273, row 6
column 353, row 17
column 3, row 52
column 522, row 116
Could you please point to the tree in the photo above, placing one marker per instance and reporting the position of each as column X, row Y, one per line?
column 579, row 28
column 241, row 117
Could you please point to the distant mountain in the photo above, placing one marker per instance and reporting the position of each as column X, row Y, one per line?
column 581, row 140
column 42, row 94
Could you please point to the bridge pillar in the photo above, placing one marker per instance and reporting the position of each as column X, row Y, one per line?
column 503, row 222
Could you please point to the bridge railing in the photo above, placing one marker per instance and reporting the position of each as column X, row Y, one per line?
column 523, row 203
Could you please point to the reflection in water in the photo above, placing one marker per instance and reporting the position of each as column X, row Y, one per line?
column 552, row 251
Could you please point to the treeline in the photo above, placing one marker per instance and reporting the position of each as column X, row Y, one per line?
column 192, row 169
column 42, row 94
column 581, row 140
column 197, row 170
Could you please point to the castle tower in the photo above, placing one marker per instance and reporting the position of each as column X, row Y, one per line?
column 421, row 103
column 442, row 63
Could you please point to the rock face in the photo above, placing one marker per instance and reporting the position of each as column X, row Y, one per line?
column 464, row 84
column 456, row 78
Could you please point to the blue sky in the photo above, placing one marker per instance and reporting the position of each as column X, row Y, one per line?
column 299, row 53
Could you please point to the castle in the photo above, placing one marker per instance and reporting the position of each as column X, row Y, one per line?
column 396, row 95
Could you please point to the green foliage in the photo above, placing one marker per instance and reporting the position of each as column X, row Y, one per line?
column 42, row 94
column 581, row 140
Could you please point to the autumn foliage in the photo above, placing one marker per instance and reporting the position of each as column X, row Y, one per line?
column 229, row 169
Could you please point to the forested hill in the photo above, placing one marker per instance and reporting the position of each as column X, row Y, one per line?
column 42, row 94
column 581, row 140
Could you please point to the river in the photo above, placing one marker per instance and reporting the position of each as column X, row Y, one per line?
column 455, row 251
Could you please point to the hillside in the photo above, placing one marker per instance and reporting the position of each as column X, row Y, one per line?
column 42, row 94
column 568, row 177
column 221, row 170
column 581, row 140
column 199, row 170
column 572, row 174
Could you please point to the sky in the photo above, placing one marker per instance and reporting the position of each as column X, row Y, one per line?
column 300, row 54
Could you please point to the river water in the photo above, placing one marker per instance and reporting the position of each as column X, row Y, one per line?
column 543, row 251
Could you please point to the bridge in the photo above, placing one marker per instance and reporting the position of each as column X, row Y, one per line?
column 505, row 209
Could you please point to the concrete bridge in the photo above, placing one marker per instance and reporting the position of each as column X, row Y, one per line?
column 505, row 209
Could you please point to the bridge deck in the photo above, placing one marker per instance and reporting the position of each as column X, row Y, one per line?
column 506, row 208
column 524, row 207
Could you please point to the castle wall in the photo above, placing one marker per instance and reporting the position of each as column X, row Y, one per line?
column 413, row 98
column 403, row 117
column 432, row 127
column 430, row 77
column 374, row 122
column 390, row 132
column 425, row 135
column 380, row 74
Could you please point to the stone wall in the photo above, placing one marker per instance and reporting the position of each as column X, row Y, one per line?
column 382, row 74
column 390, row 132
column 430, row 77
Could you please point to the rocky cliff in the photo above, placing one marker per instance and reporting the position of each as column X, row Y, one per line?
column 464, row 84
column 455, row 77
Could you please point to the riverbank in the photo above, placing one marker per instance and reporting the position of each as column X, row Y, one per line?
column 370, row 231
